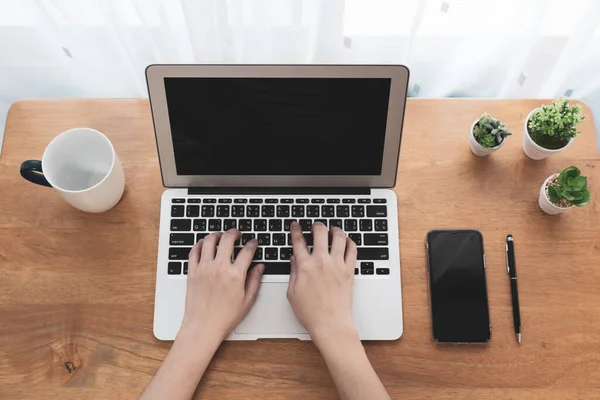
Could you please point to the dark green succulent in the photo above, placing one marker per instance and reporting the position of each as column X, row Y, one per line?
column 489, row 132
column 570, row 186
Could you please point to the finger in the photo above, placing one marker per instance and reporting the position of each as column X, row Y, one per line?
column 194, row 257
column 225, row 250
column 246, row 255
column 338, row 242
column 293, row 272
column 253, row 284
column 298, row 242
column 320, row 238
column 351, row 253
column 209, row 247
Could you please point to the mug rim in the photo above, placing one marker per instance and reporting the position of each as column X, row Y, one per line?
column 112, row 165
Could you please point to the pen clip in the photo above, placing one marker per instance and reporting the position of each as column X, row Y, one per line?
column 507, row 264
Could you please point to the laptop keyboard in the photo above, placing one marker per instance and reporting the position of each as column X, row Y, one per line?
column 268, row 220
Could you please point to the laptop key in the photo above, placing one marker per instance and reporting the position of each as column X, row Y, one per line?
column 379, row 201
column 240, row 201
column 348, row 201
column 200, row 236
column 260, row 225
column 268, row 211
column 356, row 238
column 224, row 201
column 258, row 254
column 285, row 253
column 212, row 201
column 350, row 225
column 208, row 211
column 279, row 239
column 283, row 211
column 373, row 253
column 174, row 268
column 246, row 237
column 367, row 272
column 355, row 271
column 181, row 239
column 223, row 211
column 275, row 225
column 376, row 211
column 297, row 211
column 317, row 201
column 333, row 201
column 305, row 225
column 302, row 201
column 287, row 223
column 271, row 253
column 381, row 225
column 185, row 268
column 179, row 253
column 342, row 211
column 192, row 211
column 271, row 201
column 177, row 211
column 382, row 271
column 214, row 225
column 308, row 238
column 177, row 200
column 275, row 267
column 312, row 211
column 376, row 239
column 335, row 222
column 358, row 211
column 253, row 211
column 367, row 268
column 323, row 221
column 256, row 201
column 181, row 224
column 364, row 201
column 237, row 211
column 245, row 225
column 327, row 211
column 366, row 225
column 229, row 224
column 287, row 201
column 264, row 239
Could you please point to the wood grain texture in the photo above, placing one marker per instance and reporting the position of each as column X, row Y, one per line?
column 79, row 288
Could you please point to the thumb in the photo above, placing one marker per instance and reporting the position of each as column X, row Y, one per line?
column 253, row 284
column 293, row 271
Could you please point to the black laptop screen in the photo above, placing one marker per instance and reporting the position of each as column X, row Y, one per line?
column 278, row 126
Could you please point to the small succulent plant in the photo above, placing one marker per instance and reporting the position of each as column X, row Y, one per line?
column 570, row 188
column 552, row 126
column 489, row 132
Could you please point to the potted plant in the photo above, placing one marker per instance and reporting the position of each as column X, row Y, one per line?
column 561, row 192
column 487, row 135
column 550, row 128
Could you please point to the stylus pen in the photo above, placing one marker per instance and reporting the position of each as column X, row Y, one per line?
column 511, row 265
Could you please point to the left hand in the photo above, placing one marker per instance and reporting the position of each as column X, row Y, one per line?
column 220, row 292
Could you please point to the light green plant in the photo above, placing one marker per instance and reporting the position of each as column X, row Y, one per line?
column 553, row 125
column 489, row 132
column 570, row 186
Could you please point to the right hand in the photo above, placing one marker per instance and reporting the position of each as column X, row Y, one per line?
column 320, row 288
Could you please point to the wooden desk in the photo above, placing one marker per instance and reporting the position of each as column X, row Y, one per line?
column 79, row 288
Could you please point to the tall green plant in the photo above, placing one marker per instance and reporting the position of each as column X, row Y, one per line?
column 570, row 186
column 553, row 125
column 489, row 132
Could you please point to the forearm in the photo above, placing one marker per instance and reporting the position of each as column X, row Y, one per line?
column 182, row 369
column 349, row 366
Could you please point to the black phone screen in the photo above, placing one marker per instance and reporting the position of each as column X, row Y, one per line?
column 458, row 290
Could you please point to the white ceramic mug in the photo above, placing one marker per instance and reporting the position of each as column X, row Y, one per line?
column 82, row 165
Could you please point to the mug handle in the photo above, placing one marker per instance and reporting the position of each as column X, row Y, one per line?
column 32, row 171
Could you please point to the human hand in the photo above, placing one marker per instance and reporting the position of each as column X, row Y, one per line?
column 320, row 288
column 220, row 292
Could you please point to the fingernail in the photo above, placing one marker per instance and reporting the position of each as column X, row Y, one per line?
column 261, row 268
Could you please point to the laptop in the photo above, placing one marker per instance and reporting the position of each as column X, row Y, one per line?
column 255, row 147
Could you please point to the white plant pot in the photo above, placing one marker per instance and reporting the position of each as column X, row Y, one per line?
column 479, row 150
column 534, row 150
column 546, row 205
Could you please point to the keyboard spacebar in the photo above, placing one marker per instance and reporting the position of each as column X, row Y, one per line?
column 275, row 268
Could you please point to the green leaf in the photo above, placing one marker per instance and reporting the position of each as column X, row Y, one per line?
column 495, row 123
column 553, row 194
column 584, row 200
column 578, row 183
column 489, row 126
column 567, row 195
column 566, row 173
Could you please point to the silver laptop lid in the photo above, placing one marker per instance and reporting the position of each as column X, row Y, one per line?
column 278, row 125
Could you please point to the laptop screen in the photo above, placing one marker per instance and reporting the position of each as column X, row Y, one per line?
column 278, row 126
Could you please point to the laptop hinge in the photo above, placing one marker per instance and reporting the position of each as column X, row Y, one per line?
column 280, row 190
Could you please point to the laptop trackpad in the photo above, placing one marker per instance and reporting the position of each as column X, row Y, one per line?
column 271, row 312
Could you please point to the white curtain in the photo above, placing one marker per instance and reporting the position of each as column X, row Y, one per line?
column 454, row 48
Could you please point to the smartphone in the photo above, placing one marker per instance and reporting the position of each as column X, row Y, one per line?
column 457, row 287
